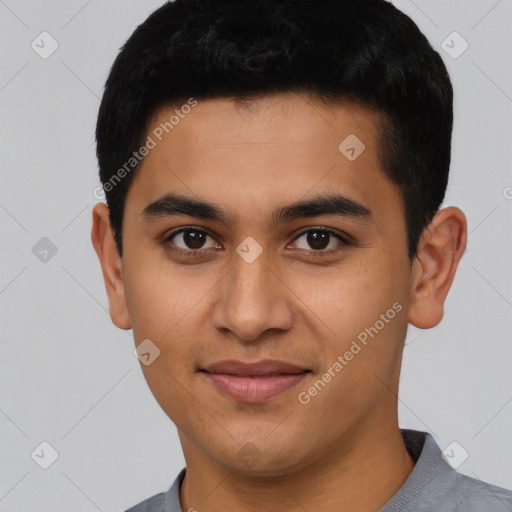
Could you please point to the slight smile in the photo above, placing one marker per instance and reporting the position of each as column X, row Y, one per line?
column 254, row 382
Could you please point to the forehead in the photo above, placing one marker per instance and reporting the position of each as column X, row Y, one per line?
column 280, row 119
column 273, row 149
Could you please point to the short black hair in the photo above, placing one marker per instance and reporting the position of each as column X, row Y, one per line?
column 364, row 50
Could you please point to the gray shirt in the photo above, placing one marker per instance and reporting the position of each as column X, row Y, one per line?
column 433, row 486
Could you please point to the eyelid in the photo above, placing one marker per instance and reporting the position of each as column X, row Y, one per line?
column 187, row 228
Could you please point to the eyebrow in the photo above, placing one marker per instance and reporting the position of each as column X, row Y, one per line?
column 173, row 204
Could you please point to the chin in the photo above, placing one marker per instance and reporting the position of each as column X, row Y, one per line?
column 263, row 461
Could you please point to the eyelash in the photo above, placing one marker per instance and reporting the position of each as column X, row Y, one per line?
column 199, row 252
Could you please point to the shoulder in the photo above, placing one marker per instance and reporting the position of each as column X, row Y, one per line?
column 435, row 485
column 154, row 504
column 165, row 501
column 477, row 495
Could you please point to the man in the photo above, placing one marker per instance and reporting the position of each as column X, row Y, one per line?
column 274, row 172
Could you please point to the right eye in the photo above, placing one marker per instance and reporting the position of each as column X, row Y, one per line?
column 189, row 241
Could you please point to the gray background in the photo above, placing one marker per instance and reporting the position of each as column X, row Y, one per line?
column 68, row 376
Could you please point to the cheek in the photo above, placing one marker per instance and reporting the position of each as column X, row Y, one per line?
column 363, row 308
column 360, row 363
column 352, row 295
column 167, row 305
column 163, row 298
column 166, row 378
column 162, row 308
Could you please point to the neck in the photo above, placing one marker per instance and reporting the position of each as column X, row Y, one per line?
column 362, row 472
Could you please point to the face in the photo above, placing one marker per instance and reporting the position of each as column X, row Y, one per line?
column 324, row 286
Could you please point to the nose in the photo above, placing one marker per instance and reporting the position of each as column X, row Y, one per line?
column 252, row 299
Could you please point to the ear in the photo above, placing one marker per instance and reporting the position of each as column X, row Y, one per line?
column 111, row 265
column 440, row 249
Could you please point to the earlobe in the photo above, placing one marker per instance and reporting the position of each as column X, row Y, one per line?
column 440, row 249
column 111, row 265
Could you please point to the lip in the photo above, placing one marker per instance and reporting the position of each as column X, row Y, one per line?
column 254, row 382
column 266, row 367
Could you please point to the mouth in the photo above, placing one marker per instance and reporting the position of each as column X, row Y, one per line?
column 254, row 382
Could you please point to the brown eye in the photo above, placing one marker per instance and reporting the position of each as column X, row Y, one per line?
column 194, row 239
column 190, row 240
column 319, row 240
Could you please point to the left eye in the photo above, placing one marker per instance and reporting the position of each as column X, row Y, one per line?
column 319, row 240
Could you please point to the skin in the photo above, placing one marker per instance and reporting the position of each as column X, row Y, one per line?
column 344, row 446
